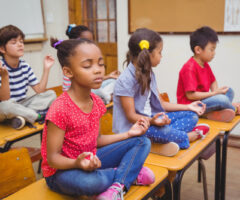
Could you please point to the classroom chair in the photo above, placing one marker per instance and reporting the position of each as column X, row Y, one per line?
column 16, row 171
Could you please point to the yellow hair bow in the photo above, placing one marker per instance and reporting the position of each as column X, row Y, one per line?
column 144, row 44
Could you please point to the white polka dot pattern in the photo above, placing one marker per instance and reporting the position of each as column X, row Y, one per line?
column 81, row 129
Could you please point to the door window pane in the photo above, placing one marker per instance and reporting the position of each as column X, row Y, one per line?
column 102, row 32
column 101, row 9
column 113, row 32
column 112, row 9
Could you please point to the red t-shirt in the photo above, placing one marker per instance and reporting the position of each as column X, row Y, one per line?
column 81, row 129
column 194, row 78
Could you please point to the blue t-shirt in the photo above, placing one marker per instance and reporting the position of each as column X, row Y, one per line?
column 127, row 85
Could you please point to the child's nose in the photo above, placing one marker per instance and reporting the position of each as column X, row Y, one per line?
column 97, row 69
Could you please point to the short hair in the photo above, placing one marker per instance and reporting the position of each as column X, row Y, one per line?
column 9, row 32
column 202, row 36
column 74, row 32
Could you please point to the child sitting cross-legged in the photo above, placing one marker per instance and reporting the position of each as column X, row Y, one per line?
column 136, row 95
column 197, row 81
column 77, row 159
column 17, row 75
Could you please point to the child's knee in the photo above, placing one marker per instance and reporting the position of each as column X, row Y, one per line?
column 96, row 185
column 143, row 141
column 223, row 101
column 193, row 116
column 230, row 92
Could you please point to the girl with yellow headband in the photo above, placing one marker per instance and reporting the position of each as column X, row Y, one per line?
column 136, row 95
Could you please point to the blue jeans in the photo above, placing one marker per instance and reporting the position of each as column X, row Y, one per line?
column 182, row 122
column 220, row 101
column 127, row 157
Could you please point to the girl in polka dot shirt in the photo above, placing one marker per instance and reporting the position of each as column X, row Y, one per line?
column 77, row 160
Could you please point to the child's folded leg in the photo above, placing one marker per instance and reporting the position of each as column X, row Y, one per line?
column 10, row 109
column 225, row 115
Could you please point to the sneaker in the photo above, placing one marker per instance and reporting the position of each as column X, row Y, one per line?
column 145, row 177
column 114, row 192
column 202, row 130
column 169, row 149
column 17, row 122
column 225, row 115
column 41, row 118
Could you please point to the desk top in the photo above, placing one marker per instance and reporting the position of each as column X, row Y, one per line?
column 8, row 133
column 183, row 157
column 222, row 126
column 40, row 191
column 138, row 192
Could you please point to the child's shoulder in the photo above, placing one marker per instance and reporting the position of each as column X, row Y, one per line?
column 191, row 64
column 128, row 75
column 61, row 100
column 97, row 99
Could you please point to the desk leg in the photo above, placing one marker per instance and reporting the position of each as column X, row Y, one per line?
column 217, row 169
column 168, row 188
column 224, row 164
column 177, row 185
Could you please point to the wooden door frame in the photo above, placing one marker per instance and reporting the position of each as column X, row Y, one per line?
column 75, row 11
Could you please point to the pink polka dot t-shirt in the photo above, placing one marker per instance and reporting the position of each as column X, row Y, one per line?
column 81, row 129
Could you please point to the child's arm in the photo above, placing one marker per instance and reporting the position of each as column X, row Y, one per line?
column 48, row 63
column 139, row 128
column 196, row 106
column 193, row 95
column 5, row 89
column 129, row 110
column 114, row 74
column 55, row 138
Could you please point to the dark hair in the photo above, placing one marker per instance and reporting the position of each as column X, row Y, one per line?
column 144, row 66
column 9, row 32
column 66, row 48
column 74, row 32
column 202, row 36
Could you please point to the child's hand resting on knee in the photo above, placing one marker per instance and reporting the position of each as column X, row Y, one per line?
column 197, row 107
column 221, row 90
column 87, row 161
column 139, row 128
column 160, row 121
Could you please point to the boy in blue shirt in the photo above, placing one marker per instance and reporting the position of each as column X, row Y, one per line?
column 20, row 108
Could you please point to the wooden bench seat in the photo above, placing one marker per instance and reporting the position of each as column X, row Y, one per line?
column 40, row 191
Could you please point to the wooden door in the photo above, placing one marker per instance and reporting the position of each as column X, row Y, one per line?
column 100, row 17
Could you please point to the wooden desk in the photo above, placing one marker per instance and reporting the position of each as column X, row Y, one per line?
column 40, row 191
column 184, row 159
column 8, row 135
column 227, row 128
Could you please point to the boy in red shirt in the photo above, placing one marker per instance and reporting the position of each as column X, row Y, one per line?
column 197, row 81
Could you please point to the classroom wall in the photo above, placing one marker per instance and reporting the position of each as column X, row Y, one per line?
column 176, row 51
column 56, row 19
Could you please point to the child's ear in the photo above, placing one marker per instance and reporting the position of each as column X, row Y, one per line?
column 67, row 72
column 2, row 49
column 197, row 50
